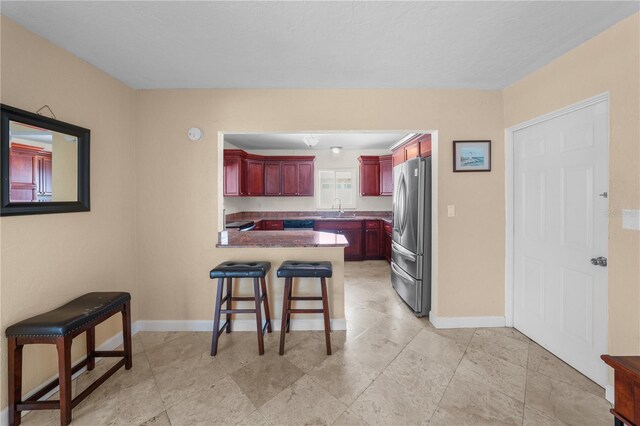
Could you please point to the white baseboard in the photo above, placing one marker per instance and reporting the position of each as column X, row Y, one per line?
column 238, row 325
column 109, row 345
column 609, row 393
column 466, row 322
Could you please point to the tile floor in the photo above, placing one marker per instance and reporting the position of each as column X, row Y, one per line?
column 388, row 368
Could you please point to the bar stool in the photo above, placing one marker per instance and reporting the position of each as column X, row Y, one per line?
column 299, row 269
column 230, row 270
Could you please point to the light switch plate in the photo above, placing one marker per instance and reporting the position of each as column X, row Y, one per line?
column 451, row 210
column 631, row 219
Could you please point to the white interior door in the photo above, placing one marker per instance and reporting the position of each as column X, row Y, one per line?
column 560, row 224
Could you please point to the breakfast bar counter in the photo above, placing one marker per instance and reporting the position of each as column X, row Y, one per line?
column 239, row 239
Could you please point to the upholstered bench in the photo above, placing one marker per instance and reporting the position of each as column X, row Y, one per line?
column 59, row 327
column 290, row 269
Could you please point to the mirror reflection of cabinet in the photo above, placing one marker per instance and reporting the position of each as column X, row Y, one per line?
column 44, row 164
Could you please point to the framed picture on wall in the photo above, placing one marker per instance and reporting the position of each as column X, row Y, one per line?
column 471, row 156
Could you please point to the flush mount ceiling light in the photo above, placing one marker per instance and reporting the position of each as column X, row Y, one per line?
column 336, row 149
column 311, row 140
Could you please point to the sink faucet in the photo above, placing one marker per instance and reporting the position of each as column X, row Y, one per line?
column 339, row 206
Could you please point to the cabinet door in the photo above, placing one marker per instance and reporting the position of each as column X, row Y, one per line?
column 411, row 150
column 354, row 237
column 425, row 145
column 398, row 157
column 255, row 177
column 44, row 175
column 289, row 178
column 272, row 178
column 369, row 178
column 372, row 243
column 386, row 246
column 23, row 177
column 305, row 178
column 386, row 176
column 232, row 176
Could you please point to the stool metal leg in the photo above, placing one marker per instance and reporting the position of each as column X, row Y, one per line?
column 216, row 319
column 285, row 312
column 325, row 312
column 15, row 380
column 267, row 311
column 256, row 291
column 229, row 307
column 63, row 345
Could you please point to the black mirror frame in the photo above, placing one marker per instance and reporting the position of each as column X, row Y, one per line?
column 7, row 208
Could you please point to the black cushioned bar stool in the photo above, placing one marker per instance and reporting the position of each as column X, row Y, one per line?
column 230, row 270
column 299, row 269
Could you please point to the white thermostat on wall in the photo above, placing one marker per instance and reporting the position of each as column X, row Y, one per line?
column 195, row 134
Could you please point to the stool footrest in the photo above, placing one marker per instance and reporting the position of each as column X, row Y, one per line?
column 224, row 326
column 108, row 354
column 305, row 311
column 237, row 311
column 240, row 299
column 39, row 405
column 305, row 298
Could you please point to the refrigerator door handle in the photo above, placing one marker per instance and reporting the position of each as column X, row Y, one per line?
column 401, row 273
column 402, row 251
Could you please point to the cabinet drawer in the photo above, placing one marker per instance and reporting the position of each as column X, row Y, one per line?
column 372, row 224
column 272, row 225
column 338, row 224
column 387, row 227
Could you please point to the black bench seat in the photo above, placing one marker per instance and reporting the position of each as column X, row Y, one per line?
column 59, row 327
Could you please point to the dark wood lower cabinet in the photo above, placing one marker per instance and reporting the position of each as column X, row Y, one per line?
column 351, row 229
column 372, row 240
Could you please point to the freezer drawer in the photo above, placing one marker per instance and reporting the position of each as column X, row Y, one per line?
column 407, row 287
column 409, row 262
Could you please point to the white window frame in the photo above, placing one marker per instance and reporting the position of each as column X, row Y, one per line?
column 329, row 205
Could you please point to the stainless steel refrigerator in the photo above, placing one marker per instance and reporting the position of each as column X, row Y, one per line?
column 411, row 245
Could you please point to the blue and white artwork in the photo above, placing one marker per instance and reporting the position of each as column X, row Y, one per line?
column 472, row 156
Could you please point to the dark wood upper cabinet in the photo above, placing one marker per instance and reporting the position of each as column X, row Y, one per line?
column 297, row 178
column 273, row 178
column 233, row 175
column 411, row 150
column 305, row 178
column 417, row 146
column 289, row 178
column 255, row 177
column 386, row 175
column 369, row 175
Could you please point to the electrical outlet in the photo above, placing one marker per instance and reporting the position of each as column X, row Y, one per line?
column 451, row 210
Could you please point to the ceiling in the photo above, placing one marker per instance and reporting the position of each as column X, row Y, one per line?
column 288, row 141
column 323, row 44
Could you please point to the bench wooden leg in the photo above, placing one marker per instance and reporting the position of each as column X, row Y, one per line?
column 126, row 335
column 267, row 311
column 15, row 380
column 216, row 318
column 256, row 292
column 91, row 348
column 285, row 310
column 325, row 313
column 289, row 304
column 63, row 345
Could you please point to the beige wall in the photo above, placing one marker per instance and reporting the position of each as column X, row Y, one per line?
column 64, row 169
column 610, row 62
column 324, row 160
column 178, row 183
column 50, row 259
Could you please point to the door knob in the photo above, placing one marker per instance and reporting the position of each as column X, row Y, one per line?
column 601, row 261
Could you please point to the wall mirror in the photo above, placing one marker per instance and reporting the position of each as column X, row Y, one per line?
column 44, row 164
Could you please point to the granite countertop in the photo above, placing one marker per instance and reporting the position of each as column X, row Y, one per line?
column 238, row 239
column 326, row 215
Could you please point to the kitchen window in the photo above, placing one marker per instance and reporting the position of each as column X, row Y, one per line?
column 334, row 185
